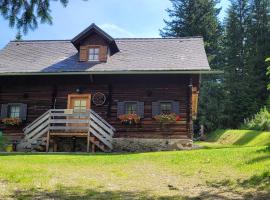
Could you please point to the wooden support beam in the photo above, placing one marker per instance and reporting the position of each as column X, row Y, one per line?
column 48, row 141
column 54, row 145
column 93, row 147
column 88, row 143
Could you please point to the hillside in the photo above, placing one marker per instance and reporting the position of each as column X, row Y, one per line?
column 236, row 138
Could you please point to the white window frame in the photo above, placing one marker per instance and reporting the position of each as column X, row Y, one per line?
column 17, row 111
column 93, row 54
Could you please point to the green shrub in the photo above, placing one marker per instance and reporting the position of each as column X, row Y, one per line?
column 3, row 142
column 260, row 121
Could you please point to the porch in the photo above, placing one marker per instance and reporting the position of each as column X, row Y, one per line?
column 68, row 123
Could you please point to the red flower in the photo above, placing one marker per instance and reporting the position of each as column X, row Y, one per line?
column 177, row 118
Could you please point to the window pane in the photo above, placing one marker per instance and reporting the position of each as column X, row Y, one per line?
column 91, row 51
column 94, row 54
column 14, row 111
column 77, row 103
column 131, row 108
column 166, row 108
column 83, row 103
column 95, row 57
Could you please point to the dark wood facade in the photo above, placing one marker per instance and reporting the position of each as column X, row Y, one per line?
column 41, row 93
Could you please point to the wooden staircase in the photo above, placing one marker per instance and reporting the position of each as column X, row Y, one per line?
column 65, row 122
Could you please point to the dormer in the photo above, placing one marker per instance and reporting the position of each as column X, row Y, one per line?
column 94, row 45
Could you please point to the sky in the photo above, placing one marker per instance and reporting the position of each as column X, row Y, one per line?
column 119, row 18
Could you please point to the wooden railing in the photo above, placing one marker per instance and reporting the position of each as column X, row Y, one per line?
column 67, row 121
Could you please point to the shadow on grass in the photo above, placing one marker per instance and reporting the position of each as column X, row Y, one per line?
column 246, row 138
column 216, row 135
column 260, row 185
column 68, row 153
column 77, row 193
column 264, row 157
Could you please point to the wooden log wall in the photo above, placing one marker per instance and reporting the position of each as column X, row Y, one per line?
column 41, row 93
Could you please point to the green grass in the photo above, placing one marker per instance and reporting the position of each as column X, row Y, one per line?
column 236, row 138
column 200, row 174
column 216, row 172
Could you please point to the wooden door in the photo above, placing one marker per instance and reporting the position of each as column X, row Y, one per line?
column 80, row 103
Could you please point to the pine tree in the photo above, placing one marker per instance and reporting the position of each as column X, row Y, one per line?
column 247, row 44
column 240, row 102
column 27, row 14
column 18, row 36
column 258, row 42
column 200, row 18
column 195, row 18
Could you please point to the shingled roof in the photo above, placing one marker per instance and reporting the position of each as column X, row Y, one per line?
column 135, row 54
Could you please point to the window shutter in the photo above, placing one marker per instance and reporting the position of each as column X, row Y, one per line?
column 4, row 110
column 155, row 109
column 103, row 53
column 140, row 109
column 23, row 111
column 83, row 53
column 120, row 108
column 176, row 108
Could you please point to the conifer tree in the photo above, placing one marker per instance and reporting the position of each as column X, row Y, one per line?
column 27, row 14
column 200, row 18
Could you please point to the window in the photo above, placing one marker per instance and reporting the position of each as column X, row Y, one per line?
column 165, row 107
column 80, row 106
column 14, row 111
column 131, row 108
column 94, row 54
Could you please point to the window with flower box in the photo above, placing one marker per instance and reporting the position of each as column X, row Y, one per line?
column 14, row 110
column 165, row 107
column 130, row 107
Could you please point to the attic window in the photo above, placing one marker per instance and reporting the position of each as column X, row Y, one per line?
column 93, row 54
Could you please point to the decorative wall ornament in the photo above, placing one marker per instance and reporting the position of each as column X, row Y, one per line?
column 99, row 99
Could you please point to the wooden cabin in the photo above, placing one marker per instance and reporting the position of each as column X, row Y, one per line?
column 97, row 93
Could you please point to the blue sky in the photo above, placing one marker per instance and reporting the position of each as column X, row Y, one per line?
column 119, row 18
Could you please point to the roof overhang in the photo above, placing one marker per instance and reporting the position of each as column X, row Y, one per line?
column 143, row 72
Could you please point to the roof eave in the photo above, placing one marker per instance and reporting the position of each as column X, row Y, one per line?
column 142, row 72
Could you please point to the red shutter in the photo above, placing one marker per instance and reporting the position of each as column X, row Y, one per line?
column 83, row 54
column 103, row 53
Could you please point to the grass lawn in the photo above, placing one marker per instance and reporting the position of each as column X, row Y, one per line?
column 213, row 173
column 208, row 174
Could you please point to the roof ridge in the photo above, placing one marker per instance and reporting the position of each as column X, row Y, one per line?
column 141, row 38
column 159, row 38
column 22, row 41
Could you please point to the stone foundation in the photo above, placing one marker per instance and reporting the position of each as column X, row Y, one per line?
column 146, row 145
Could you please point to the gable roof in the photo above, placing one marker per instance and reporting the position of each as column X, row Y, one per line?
column 90, row 29
column 135, row 55
column 94, row 28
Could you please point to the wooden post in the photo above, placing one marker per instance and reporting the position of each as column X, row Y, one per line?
column 88, row 142
column 93, row 147
column 190, row 108
column 48, row 142
column 54, row 145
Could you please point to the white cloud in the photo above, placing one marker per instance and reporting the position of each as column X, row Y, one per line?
column 116, row 31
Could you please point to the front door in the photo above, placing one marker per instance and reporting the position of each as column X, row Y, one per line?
column 80, row 103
